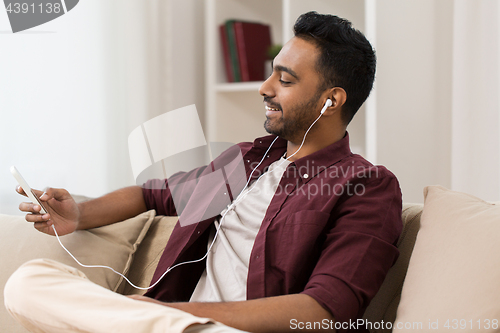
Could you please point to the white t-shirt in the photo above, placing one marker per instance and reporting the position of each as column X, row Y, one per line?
column 225, row 275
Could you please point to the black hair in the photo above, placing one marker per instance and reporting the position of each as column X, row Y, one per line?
column 346, row 60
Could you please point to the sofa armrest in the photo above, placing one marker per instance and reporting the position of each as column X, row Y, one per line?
column 384, row 305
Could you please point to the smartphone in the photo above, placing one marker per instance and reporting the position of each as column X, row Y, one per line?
column 27, row 189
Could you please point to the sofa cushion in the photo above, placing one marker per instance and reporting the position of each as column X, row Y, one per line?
column 147, row 256
column 113, row 245
column 453, row 278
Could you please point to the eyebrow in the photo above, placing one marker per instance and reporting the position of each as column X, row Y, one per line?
column 285, row 69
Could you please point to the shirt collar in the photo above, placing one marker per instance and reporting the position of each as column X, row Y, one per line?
column 309, row 166
column 265, row 141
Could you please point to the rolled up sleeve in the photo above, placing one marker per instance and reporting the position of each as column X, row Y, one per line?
column 158, row 194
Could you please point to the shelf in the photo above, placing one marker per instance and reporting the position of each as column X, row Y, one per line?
column 239, row 86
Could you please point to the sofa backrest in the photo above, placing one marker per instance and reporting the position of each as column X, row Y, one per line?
column 384, row 305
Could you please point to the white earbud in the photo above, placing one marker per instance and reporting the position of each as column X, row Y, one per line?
column 327, row 104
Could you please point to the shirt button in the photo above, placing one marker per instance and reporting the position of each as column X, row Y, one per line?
column 306, row 176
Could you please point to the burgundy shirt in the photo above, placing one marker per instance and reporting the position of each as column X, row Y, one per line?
column 329, row 232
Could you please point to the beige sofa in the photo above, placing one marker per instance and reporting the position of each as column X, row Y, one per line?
column 135, row 246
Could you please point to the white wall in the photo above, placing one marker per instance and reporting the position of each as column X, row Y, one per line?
column 476, row 99
column 52, row 104
column 414, row 45
column 438, row 88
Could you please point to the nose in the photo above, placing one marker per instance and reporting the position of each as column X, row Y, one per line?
column 266, row 88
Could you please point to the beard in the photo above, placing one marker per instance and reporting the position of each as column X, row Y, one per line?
column 299, row 118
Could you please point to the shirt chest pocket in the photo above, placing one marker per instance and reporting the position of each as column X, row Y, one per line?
column 299, row 244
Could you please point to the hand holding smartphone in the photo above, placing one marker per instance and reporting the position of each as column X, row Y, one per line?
column 27, row 189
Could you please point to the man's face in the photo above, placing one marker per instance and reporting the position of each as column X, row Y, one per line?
column 291, row 95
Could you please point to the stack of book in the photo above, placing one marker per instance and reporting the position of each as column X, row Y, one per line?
column 245, row 45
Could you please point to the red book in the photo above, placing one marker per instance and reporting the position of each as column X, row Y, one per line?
column 226, row 53
column 252, row 41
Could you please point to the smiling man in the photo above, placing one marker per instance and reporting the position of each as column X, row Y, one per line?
column 305, row 246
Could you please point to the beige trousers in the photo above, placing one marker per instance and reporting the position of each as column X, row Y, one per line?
column 46, row 296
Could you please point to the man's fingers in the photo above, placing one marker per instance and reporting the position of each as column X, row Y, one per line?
column 29, row 207
column 36, row 218
column 56, row 193
column 49, row 193
column 20, row 190
column 43, row 226
column 39, row 194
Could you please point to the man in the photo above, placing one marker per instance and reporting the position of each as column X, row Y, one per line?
column 310, row 240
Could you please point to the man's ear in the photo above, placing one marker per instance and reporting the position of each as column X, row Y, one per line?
column 338, row 97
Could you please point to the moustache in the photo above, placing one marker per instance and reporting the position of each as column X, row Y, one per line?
column 272, row 104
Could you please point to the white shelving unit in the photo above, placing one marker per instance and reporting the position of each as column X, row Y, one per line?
column 234, row 111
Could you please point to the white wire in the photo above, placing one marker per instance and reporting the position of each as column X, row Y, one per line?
column 304, row 139
column 237, row 200
column 92, row 266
